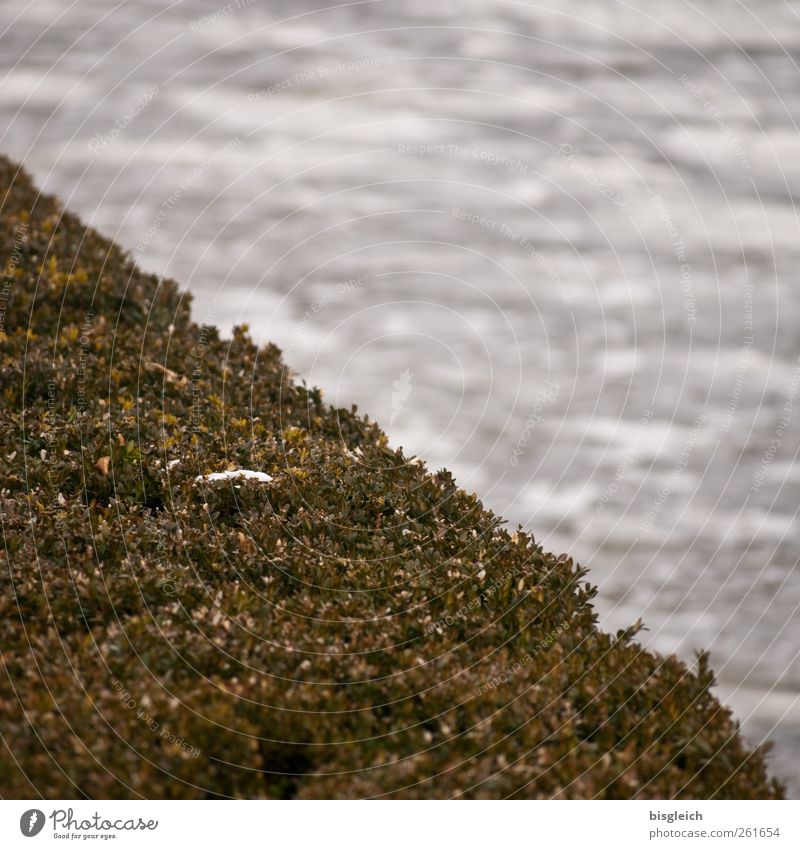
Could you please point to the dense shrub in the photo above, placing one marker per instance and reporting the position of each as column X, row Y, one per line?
column 359, row 626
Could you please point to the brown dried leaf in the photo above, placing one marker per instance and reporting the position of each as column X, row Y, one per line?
column 169, row 375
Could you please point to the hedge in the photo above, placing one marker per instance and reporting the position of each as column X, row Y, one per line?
column 355, row 626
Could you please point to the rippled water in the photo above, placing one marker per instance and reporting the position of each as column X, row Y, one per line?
column 554, row 249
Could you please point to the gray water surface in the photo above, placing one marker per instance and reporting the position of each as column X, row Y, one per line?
column 551, row 247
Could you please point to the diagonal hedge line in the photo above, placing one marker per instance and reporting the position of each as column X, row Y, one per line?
column 357, row 627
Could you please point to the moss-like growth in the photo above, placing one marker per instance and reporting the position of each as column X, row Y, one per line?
column 356, row 627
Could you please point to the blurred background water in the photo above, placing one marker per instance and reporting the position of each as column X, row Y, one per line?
column 551, row 247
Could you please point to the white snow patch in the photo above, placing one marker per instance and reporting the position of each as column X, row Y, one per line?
column 234, row 474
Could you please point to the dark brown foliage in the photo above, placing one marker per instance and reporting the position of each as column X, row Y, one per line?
column 358, row 627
